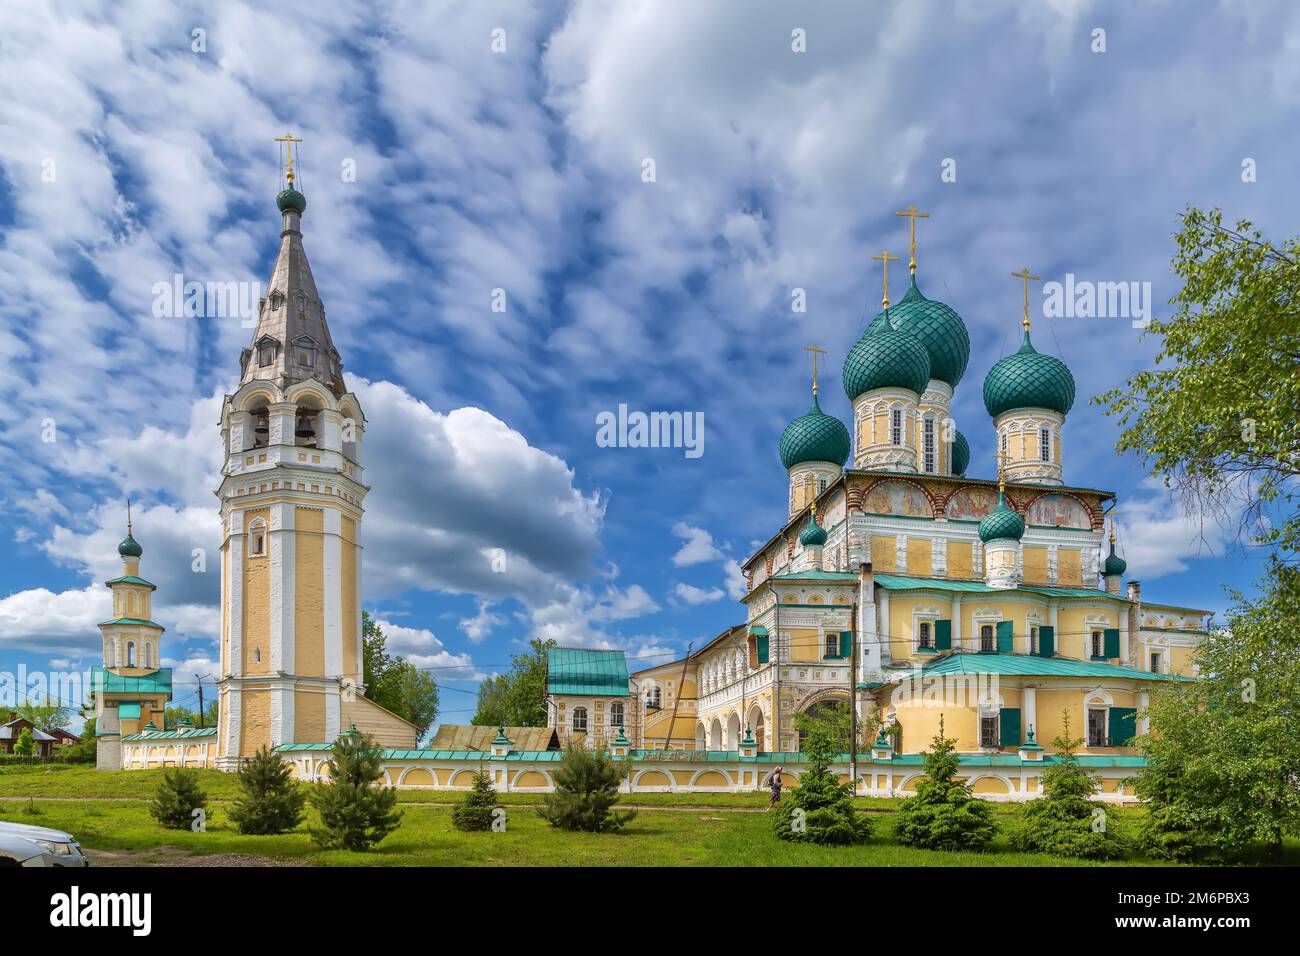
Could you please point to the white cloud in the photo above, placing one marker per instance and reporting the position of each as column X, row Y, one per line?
column 737, row 586
column 693, row 595
column 478, row 627
column 62, row 623
column 1156, row 537
column 422, row 648
column 698, row 547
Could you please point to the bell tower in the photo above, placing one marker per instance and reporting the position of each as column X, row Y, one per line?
column 291, row 499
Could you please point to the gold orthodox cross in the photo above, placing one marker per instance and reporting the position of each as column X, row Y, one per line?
column 911, row 213
column 886, row 259
column 289, row 139
column 815, row 352
column 1024, row 275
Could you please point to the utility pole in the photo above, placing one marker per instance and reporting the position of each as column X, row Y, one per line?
column 853, row 701
column 677, row 698
column 201, row 698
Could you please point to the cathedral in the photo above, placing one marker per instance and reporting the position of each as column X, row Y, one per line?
column 896, row 585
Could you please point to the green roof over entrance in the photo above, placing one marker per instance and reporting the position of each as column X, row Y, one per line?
column 1032, row 666
column 571, row 670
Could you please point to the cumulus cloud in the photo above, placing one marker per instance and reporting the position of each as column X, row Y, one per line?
column 693, row 595
column 698, row 547
column 478, row 627
column 422, row 648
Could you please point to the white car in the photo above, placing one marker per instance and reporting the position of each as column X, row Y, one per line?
column 61, row 848
column 15, row 851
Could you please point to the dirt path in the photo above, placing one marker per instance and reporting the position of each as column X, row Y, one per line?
column 686, row 808
column 175, row 856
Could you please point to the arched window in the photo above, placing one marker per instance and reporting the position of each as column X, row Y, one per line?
column 1044, row 444
column 832, row 645
column 580, row 720
column 130, row 653
column 653, row 697
column 927, row 441
column 257, row 538
column 896, row 426
column 616, row 714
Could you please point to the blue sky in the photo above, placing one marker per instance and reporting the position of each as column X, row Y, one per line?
column 134, row 148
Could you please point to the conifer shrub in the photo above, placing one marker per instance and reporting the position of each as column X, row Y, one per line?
column 1064, row 820
column 355, row 813
column 176, row 799
column 819, row 809
column 270, row 801
column 475, row 811
column 944, row 815
column 586, row 789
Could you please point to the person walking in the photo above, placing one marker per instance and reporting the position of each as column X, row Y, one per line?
column 776, row 788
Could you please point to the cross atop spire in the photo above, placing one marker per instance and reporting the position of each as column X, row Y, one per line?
column 288, row 139
column 816, row 351
column 128, row 517
column 911, row 213
column 1024, row 275
column 885, row 258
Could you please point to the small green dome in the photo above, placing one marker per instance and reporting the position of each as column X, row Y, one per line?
column 940, row 330
column 129, row 548
column 960, row 454
column 1114, row 565
column 886, row 358
column 1002, row 522
column 291, row 199
column 814, row 436
column 1028, row 379
column 813, row 535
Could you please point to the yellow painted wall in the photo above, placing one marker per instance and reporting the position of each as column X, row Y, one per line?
column 254, row 720
column 919, row 561
column 1072, row 633
column 529, row 778
column 256, row 637
column 1069, row 566
column 805, row 646
column 1035, row 565
column 308, row 717
column 309, row 595
column 348, row 581
column 960, row 559
column 884, row 553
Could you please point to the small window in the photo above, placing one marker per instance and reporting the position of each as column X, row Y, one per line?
column 1033, row 639
column 580, row 720
column 1098, row 644
column 306, row 357
column 988, row 643
column 265, row 356
column 257, row 539
column 257, row 655
column 653, row 698
column 896, row 426
column 130, row 653
column 1004, row 449
column 989, row 738
column 616, row 714
column 928, row 432
column 1155, row 662
column 1097, row 727
column 821, row 485
column 1044, row 444
column 924, row 636
column 832, row 645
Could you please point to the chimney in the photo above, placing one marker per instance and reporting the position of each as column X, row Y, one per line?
column 1135, row 591
column 1134, row 621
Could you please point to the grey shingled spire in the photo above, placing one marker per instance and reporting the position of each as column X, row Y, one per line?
column 292, row 342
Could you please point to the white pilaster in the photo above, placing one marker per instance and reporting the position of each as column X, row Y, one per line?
column 334, row 597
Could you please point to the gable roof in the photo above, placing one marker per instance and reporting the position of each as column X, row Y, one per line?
column 11, row 730
column 571, row 670
column 471, row 737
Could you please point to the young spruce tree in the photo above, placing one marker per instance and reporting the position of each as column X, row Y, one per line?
column 271, row 801
column 355, row 813
column 586, row 788
column 176, row 799
column 475, row 811
column 944, row 815
column 819, row 809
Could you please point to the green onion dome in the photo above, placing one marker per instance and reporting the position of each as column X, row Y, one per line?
column 291, row 199
column 960, row 454
column 886, row 358
column 1002, row 522
column 1028, row 379
column 814, row 436
column 129, row 548
column 1114, row 565
column 940, row 330
column 814, row 535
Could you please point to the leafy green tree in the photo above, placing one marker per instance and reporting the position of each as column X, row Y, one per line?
column 819, row 809
column 1216, row 419
column 516, row 698
column 271, row 801
column 176, row 799
column 1064, row 820
column 179, row 712
column 45, row 716
column 393, row 682
column 1223, row 752
column 944, row 815
column 834, row 718
column 88, row 745
column 475, row 811
column 25, row 745
column 586, row 789
column 355, row 813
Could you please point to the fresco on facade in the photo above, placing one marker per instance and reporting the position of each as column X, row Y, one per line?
column 1058, row 511
column 971, row 503
column 897, row 498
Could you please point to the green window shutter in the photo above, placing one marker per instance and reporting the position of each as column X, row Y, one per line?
column 762, row 648
column 846, row 643
column 1009, row 722
column 1046, row 641
column 1110, row 637
column 1123, row 726
column 1004, row 637
column 943, row 635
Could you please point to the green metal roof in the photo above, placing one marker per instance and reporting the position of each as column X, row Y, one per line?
column 132, row 579
column 902, row 582
column 960, row 454
column 817, row 576
column 132, row 620
column 189, row 734
column 886, row 358
column 1031, row 665
column 159, row 682
column 1002, row 522
column 589, row 673
column 814, row 535
column 128, row 709
column 1028, row 379
column 939, row 329
column 814, row 436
